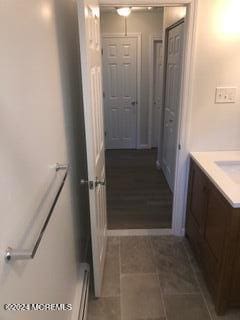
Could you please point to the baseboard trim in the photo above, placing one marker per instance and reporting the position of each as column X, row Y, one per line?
column 139, row 232
column 79, row 311
column 158, row 165
column 143, row 146
column 183, row 232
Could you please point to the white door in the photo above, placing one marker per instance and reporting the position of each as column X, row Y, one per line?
column 120, row 91
column 171, row 101
column 89, row 32
column 157, row 91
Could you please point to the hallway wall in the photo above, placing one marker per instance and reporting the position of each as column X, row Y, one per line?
column 41, row 124
column 148, row 23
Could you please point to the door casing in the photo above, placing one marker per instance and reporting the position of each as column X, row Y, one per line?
column 182, row 162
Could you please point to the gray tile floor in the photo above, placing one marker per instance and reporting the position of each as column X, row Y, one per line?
column 153, row 278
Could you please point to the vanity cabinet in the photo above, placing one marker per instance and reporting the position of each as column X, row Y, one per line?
column 213, row 229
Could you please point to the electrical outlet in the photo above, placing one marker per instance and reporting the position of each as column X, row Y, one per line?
column 225, row 95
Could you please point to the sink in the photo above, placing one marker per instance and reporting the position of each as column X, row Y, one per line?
column 231, row 168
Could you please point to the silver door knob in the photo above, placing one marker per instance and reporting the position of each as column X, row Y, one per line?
column 86, row 182
column 171, row 120
column 100, row 182
column 82, row 181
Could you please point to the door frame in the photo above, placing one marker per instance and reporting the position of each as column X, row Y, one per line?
column 182, row 160
column 138, row 36
column 152, row 39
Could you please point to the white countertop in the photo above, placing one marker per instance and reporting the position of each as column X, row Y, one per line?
column 227, row 181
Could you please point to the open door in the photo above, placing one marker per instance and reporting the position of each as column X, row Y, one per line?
column 90, row 49
column 175, row 36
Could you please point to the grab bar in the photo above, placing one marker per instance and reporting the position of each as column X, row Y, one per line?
column 11, row 253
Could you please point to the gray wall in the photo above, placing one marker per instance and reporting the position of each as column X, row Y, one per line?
column 71, row 82
column 148, row 23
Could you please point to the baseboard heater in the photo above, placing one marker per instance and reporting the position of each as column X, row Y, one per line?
column 84, row 290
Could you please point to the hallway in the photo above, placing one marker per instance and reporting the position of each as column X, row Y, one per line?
column 153, row 278
column 138, row 196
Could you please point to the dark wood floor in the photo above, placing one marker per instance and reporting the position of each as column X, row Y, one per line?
column 138, row 196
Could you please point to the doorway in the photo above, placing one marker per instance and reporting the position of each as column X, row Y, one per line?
column 141, row 116
column 90, row 49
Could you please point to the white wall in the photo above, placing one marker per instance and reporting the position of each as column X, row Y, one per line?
column 173, row 14
column 39, row 98
column 147, row 23
column 217, row 63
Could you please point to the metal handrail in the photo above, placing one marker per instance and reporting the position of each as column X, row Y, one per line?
column 11, row 253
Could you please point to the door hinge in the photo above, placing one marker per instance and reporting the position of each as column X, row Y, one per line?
column 105, row 133
column 179, row 146
column 102, row 51
column 104, row 94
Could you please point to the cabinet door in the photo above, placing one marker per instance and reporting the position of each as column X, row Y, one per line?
column 197, row 205
column 235, row 283
column 217, row 221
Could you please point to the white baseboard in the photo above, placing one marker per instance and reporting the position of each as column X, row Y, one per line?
column 139, row 232
column 143, row 146
column 183, row 232
column 158, row 165
column 78, row 303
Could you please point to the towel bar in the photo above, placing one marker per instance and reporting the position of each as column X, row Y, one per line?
column 11, row 253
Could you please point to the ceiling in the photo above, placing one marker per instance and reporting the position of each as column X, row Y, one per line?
column 134, row 9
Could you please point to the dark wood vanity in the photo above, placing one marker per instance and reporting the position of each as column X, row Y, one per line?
column 213, row 229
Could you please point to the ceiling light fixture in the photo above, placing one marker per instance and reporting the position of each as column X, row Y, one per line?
column 124, row 11
column 150, row 8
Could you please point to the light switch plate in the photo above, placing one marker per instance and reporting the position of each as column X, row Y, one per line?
column 225, row 95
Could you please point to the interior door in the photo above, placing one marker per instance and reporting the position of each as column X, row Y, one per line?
column 89, row 32
column 171, row 101
column 120, row 91
column 157, row 91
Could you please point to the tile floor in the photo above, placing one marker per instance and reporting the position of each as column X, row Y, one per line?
column 153, row 278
